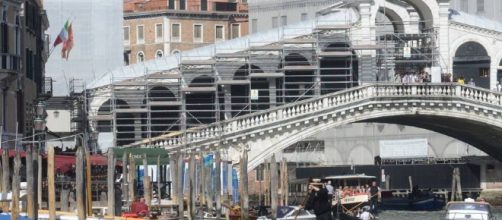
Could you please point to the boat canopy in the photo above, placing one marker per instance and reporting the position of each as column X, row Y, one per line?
column 349, row 177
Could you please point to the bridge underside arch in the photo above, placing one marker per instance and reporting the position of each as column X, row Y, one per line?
column 484, row 135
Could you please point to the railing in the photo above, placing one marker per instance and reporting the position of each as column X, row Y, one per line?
column 10, row 62
column 308, row 107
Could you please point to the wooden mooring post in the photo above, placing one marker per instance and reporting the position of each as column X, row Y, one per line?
column 132, row 177
column 111, row 182
column 125, row 163
column 191, row 187
column 217, row 182
column 51, row 183
column 244, row 185
column 30, row 183
column 80, row 191
column 456, row 188
column 181, row 163
column 15, row 186
column 146, row 182
column 273, row 186
column 88, row 182
column 5, row 178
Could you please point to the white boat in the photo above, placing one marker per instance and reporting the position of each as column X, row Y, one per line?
column 470, row 210
column 291, row 213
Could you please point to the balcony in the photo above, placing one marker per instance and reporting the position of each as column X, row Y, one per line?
column 10, row 63
column 46, row 91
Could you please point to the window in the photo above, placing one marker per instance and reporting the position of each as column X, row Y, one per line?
column 480, row 5
column 141, row 57
column 159, row 32
column 259, row 173
column 305, row 16
column 175, row 52
column 464, row 5
column 484, row 72
column 159, row 54
column 284, row 20
column 219, row 33
column 275, row 22
column 182, row 4
column 197, row 33
column 172, row 5
column 140, row 34
column 236, row 30
column 126, row 34
column 175, row 32
column 254, row 26
column 203, row 5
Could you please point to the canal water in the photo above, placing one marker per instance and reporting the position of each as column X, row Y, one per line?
column 403, row 215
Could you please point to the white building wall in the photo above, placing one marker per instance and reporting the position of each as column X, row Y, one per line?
column 357, row 144
column 98, row 36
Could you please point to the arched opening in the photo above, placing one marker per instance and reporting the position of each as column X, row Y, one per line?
column 388, row 21
column 472, row 61
column 338, row 72
column 140, row 57
column 298, row 83
column 124, row 121
column 164, row 112
column 201, row 106
column 242, row 101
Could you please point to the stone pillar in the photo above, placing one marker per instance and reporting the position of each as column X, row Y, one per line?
column 367, row 73
column 228, row 102
column 443, row 37
column 414, row 26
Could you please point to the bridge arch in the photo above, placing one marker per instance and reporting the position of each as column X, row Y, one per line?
column 241, row 103
column 428, row 10
column 360, row 154
column 298, row 84
column 472, row 60
column 200, row 105
column 397, row 14
column 164, row 116
column 124, row 122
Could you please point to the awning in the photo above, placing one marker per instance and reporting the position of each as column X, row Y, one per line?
column 12, row 153
column 152, row 154
column 64, row 163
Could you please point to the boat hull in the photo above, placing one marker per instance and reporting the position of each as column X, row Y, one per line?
column 425, row 204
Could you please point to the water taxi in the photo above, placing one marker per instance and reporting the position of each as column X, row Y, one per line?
column 469, row 209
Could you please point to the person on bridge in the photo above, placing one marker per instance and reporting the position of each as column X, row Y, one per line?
column 318, row 201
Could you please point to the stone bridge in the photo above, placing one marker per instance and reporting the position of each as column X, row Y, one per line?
column 470, row 114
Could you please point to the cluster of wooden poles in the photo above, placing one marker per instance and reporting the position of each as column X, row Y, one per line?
column 83, row 182
column 199, row 192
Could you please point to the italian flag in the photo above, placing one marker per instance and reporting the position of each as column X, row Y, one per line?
column 63, row 35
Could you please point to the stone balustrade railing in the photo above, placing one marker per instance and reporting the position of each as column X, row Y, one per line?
column 290, row 111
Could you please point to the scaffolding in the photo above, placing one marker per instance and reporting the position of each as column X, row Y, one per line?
column 259, row 75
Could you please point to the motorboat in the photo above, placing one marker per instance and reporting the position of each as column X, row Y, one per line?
column 469, row 210
column 291, row 213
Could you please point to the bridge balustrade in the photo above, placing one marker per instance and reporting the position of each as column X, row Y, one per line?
column 343, row 99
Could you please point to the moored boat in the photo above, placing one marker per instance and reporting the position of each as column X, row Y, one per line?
column 469, row 209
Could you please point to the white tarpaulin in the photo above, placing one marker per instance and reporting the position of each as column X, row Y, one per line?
column 408, row 148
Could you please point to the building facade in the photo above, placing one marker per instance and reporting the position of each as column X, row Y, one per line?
column 23, row 53
column 153, row 29
column 268, row 14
